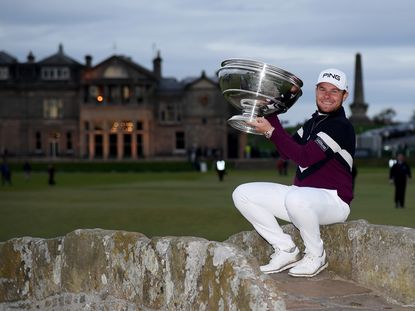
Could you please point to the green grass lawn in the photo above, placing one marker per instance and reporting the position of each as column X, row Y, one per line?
column 163, row 204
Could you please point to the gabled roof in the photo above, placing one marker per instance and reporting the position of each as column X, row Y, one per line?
column 138, row 67
column 192, row 81
column 125, row 64
column 6, row 58
column 170, row 84
column 59, row 58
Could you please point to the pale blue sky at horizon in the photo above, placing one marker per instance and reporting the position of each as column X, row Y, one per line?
column 302, row 36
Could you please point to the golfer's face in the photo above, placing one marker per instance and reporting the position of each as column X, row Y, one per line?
column 328, row 97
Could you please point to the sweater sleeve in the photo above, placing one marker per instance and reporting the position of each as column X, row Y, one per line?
column 304, row 155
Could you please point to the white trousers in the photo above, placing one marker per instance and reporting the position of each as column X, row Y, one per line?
column 305, row 207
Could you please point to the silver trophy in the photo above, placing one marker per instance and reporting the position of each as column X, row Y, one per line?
column 258, row 89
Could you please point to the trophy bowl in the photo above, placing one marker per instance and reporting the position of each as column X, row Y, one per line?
column 258, row 89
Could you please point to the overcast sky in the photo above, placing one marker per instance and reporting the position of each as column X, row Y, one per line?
column 300, row 36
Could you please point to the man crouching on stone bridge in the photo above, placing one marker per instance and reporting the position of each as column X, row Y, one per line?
column 322, row 191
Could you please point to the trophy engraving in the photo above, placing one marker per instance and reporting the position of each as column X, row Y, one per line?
column 258, row 89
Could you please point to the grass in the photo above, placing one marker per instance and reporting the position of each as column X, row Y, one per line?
column 163, row 204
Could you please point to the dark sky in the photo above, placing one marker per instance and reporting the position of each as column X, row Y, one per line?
column 300, row 36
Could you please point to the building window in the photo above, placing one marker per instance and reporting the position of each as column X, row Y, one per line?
column 54, row 148
column 4, row 73
column 55, row 73
column 180, row 142
column 127, row 145
column 86, row 94
column 113, row 94
column 87, row 145
column 113, row 146
column 139, row 125
column 139, row 94
column 140, row 148
column 170, row 113
column 93, row 91
column 122, row 126
column 96, row 92
column 98, row 146
column 126, row 94
column 38, row 141
column 69, row 143
column 52, row 108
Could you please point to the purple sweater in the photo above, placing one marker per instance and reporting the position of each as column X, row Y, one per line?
column 323, row 149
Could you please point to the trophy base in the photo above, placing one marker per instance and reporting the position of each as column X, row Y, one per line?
column 239, row 122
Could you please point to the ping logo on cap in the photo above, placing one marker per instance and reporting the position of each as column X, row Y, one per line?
column 334, row 76
column 331, row 75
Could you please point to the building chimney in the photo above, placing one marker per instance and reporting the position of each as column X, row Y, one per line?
column 157, row 65
column 88, row 61
column 30, row 58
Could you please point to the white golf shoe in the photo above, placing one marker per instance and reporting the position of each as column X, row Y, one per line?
column 309, row 266
column 282, row 260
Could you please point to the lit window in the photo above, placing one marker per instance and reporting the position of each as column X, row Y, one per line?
column 122, row 126
column 126, row 93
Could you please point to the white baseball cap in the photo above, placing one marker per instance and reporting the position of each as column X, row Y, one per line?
column 334, row 76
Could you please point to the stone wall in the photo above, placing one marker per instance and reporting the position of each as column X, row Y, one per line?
column 116, row 270
column 379, row 257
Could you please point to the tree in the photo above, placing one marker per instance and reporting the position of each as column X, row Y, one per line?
column 384, row 117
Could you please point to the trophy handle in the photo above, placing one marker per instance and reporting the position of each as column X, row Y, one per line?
column 283, row 103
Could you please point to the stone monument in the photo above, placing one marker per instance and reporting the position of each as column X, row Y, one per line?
column 358, row 107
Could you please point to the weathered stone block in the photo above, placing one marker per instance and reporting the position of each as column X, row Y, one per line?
column 110, row 270
column 46, row 268
column 379, row 257
column 125, row 271
column 84, row 261
column 15, row 269
column 384, row 260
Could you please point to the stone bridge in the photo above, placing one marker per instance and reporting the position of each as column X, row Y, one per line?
column 96, row 269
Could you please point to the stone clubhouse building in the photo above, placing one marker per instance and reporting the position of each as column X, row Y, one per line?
column 114, row 110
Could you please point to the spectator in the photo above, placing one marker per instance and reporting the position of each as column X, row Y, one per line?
column 6, row 174
column 398, row 175
column 27, row 169
column 51, row 175
column 220, row 169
